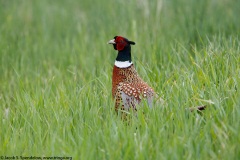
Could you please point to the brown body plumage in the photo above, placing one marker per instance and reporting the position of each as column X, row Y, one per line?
column 126, row 81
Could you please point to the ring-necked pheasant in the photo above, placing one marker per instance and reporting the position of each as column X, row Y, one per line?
column 127, row 87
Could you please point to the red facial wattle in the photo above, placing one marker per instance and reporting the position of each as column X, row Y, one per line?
column 120, row 43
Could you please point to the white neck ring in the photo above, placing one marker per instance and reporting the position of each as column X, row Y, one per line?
column 123, row 64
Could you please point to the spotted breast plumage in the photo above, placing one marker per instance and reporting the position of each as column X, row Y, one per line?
column 128, row 89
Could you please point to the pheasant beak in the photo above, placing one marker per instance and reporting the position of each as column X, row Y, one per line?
column 112, row 41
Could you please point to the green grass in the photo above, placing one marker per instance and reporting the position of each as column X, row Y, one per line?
column 55, row 79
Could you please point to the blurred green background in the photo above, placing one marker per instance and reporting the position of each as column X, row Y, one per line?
column 55, row 78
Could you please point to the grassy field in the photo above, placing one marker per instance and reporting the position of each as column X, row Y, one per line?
column 55, row 79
